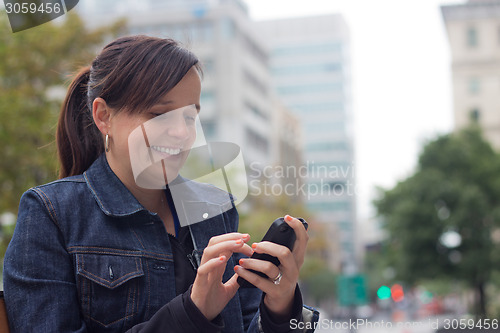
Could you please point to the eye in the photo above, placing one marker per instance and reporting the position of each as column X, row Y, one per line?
column 189, row 118
column 154, row 114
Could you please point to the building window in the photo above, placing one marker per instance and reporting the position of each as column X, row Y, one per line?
column 209, row 129
column 311, row 88
column 307, row 49
column 256, row 140
column 255, row 50
column 472, row 38
column 228, row 28
column 474, row 85
column 255, row 110
column 255, row 83
column 207, row 97
column 308, row 69
column 474, row 115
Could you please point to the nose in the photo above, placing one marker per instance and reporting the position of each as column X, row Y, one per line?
column 178, row 128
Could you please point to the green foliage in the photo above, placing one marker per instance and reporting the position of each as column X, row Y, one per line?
column 322, row 285
column 264, row 210
column 456, row 188
column 378, row 268
column 34, row 62
column 442, row 286
column 318, row 281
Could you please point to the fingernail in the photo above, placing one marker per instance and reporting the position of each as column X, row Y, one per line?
column 246, row 236
column 238, row 241
column 254, row 245
column 222, row 258
column 288, row 218
column 241, row 261
column 236, row 268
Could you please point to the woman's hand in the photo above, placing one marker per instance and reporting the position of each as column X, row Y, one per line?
column 209, row 294
column 279, row 297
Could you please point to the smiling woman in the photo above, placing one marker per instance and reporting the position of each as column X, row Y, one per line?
column 102, row 249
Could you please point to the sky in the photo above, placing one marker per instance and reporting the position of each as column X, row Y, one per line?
column 402, row 93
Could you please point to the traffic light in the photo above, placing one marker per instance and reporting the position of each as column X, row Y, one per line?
column 395, row 292
column 384, row 292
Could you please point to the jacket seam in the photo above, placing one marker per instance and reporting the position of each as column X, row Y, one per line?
column 101, row 204
column 95, row 194
column 137, row 236
column 52, row 212
column 109, row 251
column 148, row 287
column 101, row 281
column 111, row 323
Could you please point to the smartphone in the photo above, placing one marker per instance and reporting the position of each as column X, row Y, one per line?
column 280, row 233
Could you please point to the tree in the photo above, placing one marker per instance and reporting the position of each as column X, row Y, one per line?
column 35, row 64
column 317, row 280
column 440, row 219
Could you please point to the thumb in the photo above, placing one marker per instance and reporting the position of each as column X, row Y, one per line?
column 232, row 285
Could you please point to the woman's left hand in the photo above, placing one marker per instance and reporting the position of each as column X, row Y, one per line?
column 279, row 297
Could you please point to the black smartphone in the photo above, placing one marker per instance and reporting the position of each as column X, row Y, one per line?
column 280, row 233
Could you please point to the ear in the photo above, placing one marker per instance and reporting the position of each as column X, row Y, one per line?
column 101, row 114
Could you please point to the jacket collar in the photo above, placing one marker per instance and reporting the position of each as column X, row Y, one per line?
column 112, row 196
column 115, row 199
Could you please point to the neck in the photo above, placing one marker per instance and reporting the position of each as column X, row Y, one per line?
column 153, row 200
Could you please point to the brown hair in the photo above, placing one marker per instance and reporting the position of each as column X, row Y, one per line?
column 131, row 74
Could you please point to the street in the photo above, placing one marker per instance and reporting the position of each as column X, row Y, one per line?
column 378, row 325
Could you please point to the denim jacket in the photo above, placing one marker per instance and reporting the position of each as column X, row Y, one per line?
column 86, row 256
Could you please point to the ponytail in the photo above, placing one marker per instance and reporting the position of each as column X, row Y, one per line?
column 79, row 142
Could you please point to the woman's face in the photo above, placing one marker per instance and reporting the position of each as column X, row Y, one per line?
column 150, row 147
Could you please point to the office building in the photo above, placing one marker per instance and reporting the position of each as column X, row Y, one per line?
column 238, row 103
column 474, row 35
column 311, row 72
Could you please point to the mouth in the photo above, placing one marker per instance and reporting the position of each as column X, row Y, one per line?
column 167, row 150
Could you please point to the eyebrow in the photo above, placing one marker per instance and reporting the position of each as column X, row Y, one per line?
column 170, row 102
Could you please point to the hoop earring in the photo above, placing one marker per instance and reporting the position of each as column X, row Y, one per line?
column 106, row 143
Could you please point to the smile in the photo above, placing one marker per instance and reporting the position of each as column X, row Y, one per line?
column 170, row 151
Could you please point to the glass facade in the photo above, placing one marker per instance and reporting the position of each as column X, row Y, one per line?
column 313, row 80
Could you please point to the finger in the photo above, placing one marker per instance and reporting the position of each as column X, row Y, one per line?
column 226, row 248
column 298, row 227
column 232, row 285
column 300, row 245
column 211, row 266
column 246, row 250
column 285, row 256
column 263, row 284
column 229, row 236
column 263, row 266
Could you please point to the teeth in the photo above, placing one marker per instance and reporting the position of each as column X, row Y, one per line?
column 170, row 151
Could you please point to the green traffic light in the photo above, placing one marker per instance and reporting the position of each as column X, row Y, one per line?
column 384, row 292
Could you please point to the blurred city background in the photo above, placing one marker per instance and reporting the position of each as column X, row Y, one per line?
column 376, row 121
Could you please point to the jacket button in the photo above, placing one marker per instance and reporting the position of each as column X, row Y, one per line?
column 111, row 275
column 205, row 215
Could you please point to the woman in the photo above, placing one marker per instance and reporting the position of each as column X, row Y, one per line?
column 97, row 251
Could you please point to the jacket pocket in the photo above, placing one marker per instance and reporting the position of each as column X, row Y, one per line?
column 109, row 286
